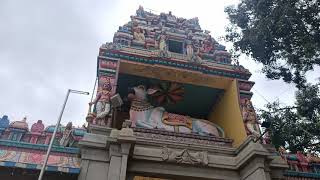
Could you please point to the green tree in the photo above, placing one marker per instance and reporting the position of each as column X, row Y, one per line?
column 296, row 128
column 283, row 35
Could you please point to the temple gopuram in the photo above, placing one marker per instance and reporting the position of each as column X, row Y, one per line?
column 170, row 104
column 23, row 149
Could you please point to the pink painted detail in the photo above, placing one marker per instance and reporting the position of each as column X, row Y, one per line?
column 36, row 158
column 36, row 130
column 303, row 162
column 37, row 127
column 108, row 64
column 48, row 139
column 34, row 139
column 106, row 80
column 177, row 120
column 36, row 151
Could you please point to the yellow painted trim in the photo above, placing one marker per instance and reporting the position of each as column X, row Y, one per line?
column 174, row 74
column 227, row 114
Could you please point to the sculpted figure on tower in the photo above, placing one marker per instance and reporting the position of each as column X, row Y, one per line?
column 102, row 105
column 250, row 118
column 67, row 135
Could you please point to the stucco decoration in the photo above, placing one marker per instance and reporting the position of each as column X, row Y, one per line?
column 37, row 158
column 144, row 115
column 184, row 156
column 156, row 135
column 20, row 124
column 250, row 118
column 4, row 122
column 37, row 127
column 67, row 137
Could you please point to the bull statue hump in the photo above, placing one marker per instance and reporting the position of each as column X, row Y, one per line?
column 144, row 115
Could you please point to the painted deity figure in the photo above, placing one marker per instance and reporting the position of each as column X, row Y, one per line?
column 138, row 35
column 140, row 12
column 102, row 105
column 67, row 135
column 144, row 115
column 196, row 58
column 171, row 17
column 250, row 118
column 163, row 49
column 189, row 49
column 207, row 45
column 194, row 22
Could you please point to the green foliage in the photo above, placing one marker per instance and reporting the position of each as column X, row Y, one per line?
column 296, row 128
column 283, row 35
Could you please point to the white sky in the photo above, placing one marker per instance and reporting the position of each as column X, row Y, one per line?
column 48, row 47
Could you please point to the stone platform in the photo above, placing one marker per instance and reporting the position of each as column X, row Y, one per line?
column 126, row 153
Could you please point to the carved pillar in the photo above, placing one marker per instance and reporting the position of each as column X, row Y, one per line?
column 255, row 170
column 125, row 148
column 94, row 157
column 119, row 152
column 105, row 157
column 115, row 162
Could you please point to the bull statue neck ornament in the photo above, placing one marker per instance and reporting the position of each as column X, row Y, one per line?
column 144, row 115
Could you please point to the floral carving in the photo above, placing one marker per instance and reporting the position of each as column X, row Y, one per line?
column 184, row 156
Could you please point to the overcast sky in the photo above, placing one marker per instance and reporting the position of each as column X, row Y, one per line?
column 47, row 47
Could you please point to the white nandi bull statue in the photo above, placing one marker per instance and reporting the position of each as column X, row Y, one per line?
column 144, row 115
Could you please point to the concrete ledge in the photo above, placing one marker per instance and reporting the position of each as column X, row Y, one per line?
column 93, row 140
column 94, row 155
column 102, row 130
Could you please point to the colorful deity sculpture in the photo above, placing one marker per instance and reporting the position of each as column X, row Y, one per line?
column 140, row 12
column 67, row 135
column 36, row 130
column 189, row 49
column 250, row 118
column 138, row 35
column 152, row 31
column 102, row 105
column 144, row 115
column 207, row 45
column 163, row 48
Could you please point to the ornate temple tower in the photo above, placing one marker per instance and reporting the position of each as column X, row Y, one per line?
column 171, row 105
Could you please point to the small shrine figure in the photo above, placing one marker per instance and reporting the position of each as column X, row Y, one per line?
column 163, row 49
column 303, row 162
column 67, row 135
column 171, row 17
column 189, row 50
column 194, row 22
column 196, row 58
column 250, row 118
column 102, row 105
column 267, row 137
column 140, row 12
column 207, row 45
column 138, row 35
